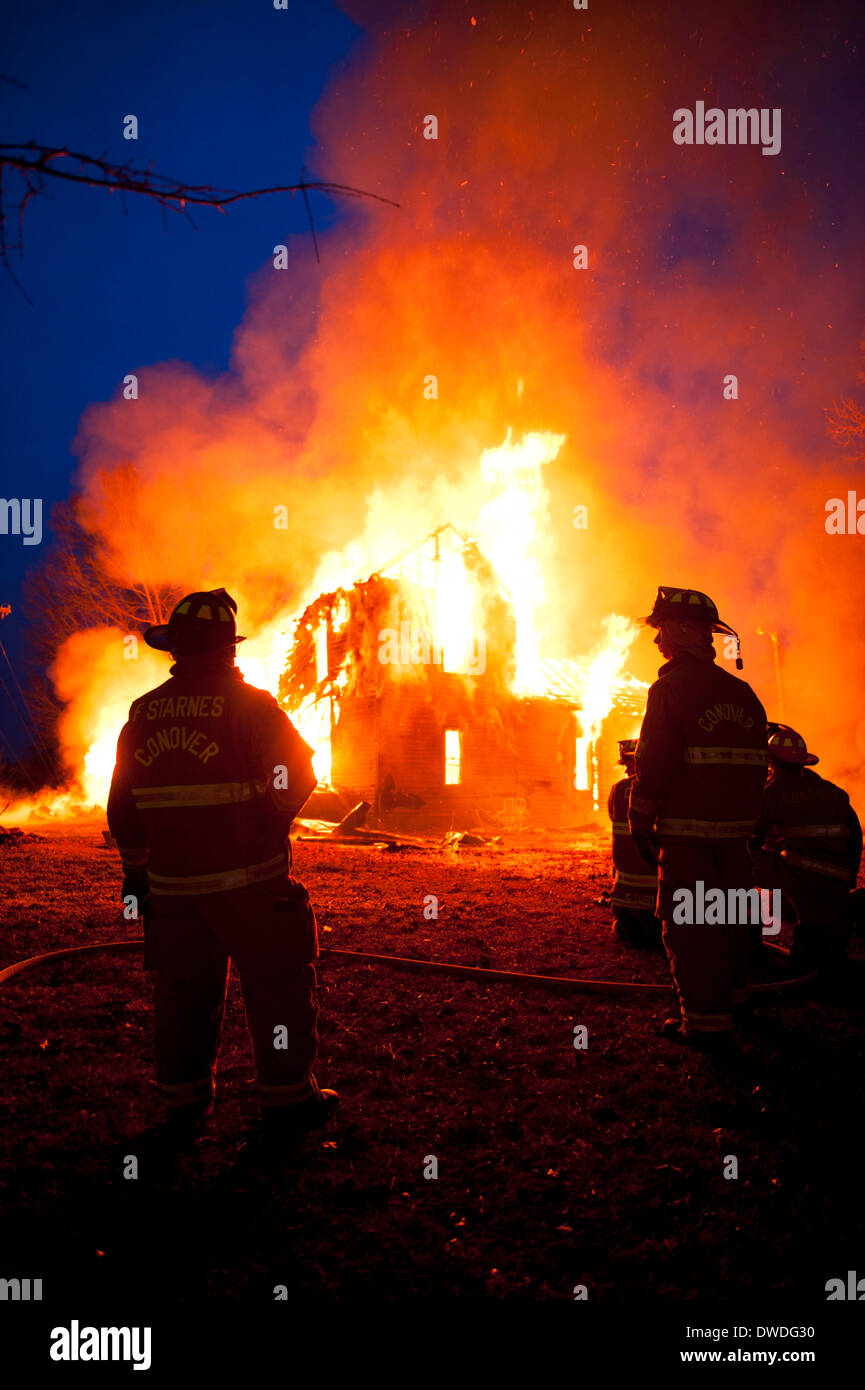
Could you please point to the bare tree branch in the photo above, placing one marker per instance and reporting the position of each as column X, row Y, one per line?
column 847, row 422
column 37, row 163
column 309, row 215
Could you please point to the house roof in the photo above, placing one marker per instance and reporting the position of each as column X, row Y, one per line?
column 563, row 680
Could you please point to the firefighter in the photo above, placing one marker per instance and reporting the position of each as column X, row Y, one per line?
column 210, row 774
column 808, row 842
column 635, row 891
column 694, row 802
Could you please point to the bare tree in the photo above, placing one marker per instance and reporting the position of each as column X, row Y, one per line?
column 847, row 422
column 72, row 589
column 35, row 165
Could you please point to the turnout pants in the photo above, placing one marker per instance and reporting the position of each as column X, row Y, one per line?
column 636, row 927
column 709, row 963
column 269, row 931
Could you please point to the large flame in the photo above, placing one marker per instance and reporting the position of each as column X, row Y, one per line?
column 511, row 531
column 511, row 527
column 450, row 363
column 604, row 669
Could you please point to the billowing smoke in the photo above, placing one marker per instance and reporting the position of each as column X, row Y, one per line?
column 554, row 130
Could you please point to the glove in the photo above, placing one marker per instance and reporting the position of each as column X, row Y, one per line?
column 647, row 848
column 137, row 886
column 767, row 867
column 296, row 897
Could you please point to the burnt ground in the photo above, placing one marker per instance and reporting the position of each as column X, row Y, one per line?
column 557, row 1167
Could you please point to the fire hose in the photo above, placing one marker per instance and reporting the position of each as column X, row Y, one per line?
column 440, row 967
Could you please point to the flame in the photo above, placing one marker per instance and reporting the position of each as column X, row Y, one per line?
column 99, row 765
column 323, row 409
column 312, row 722
column 99, row 672
column 510, row 531
column 511, row 527
column 604, row 669
column 261, row 660
column 455, row 611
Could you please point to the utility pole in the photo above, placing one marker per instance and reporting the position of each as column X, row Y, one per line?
column 776, row 652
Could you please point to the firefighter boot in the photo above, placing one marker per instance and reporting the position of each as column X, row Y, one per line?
column 292, row 1121
column 161, row 1147
column 184, row 1123
column 723, row 1044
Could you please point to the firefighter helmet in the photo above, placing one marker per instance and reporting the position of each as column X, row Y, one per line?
column 689, row 606
column 627, row 748
column 786, row 746
column 686, row 605
column 201, row 622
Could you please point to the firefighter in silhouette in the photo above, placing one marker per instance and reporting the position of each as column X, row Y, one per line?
column 808, row 843
column 210, row 774
column 700, row 767
column 635, row 891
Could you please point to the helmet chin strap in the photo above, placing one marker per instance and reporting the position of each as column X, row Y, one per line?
column 694, row 636
column 731, row 632
column 207, row 656
column 686, row 637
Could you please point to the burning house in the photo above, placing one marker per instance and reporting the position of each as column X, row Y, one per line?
column 422, row 688
column 407, row 683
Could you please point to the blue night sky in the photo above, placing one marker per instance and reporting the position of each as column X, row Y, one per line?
column 223, row 93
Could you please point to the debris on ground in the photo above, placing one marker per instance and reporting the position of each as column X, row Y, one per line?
column 354, row 820
column 13, row 836
column 470, row 839
column 305, row 830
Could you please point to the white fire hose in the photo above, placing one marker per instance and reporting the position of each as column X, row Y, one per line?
column 439, row 967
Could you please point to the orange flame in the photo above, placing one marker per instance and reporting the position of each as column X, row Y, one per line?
column 361, row 401
column 511, row 529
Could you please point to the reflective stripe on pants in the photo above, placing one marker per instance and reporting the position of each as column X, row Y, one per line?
column 635, row 891
column 186, row 1092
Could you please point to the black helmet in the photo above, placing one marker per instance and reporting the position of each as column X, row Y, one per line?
column 691, row 606
column 201, row 622
column 627, row 748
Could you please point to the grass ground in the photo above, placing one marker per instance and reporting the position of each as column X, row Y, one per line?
column 556, row 1167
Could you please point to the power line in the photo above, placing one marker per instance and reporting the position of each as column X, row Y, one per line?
column 17, row 761
column 31, row 728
